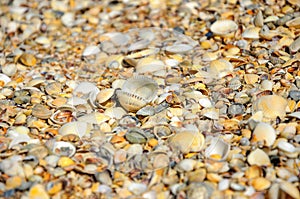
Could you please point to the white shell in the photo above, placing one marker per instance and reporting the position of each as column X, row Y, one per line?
column 217, row 148
column 94, row 118
column 4, row 78
column 258, row 157
column 251, row 33
column 75, row 128
column 179, row 48
column 264, row 132
column 223, row 27
column 149, row 65
column 91, row 50
column 64, row 148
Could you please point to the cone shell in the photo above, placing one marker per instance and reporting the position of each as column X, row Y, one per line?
column 271, row 106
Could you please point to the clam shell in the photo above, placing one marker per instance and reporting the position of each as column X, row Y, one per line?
column 223, row 27
column 149, row 65
column 218, row 149
column 258, row 157
column 4, row 78
column 179, row 48
column 41, row 111
column 94, row 118
column 91, row 50
column 187, row 141
column 294, row 23
column 271, row 106
column 264, row 132
column 290, row 189
column 130, row 102
column 104, row 95
column 75, row 128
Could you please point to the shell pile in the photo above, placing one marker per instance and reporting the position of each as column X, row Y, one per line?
column 149, row 99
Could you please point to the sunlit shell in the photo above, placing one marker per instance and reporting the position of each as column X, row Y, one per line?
column 84, row 88
column 35, row 82
column 75, row 128
column 294, row 23
column 137, row 92
column 179, row 48
column 251, row 33
column 63, row 114
column 94, row 118
column 220, row 68
column 149, row 65
column 115, row 112
column 295, row 46
column 187, row 141
column 260, row 183
column 41, row 111
column 272, row 106
column 264, row 132
column 258, row 157
column 258, row 19
column 91, row 50
column 53, row 88
column 218, row 149
column 62, row 148
column 251, row 78
column 223, row 27
column 104, row 95
column 286, row 146
column 235, row 84
column 27, row 59
column 162, row 132
column 4, row 78
column 290, row 189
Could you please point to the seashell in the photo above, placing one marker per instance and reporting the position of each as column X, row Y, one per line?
column 290, row 189
column 43, row 40
column 218, row 149
column 285, row 146
column 295, row 46
column 137, row 92
column 187, row 141
column 272, row 106
column 143, row 53
column 41, row 111
column 260, row 183
column 78, row 129
column 251, row 78
column 149, row 65
column 146, row 111
column 220, row 68
column 94, row 118
column 223, row 27
column 53, row 88
column 235, row 84
column 18, row 137
column 187, row 164
column 62, row 148
column 294, row 2
column 115, row 112
column 259, row 19
column 136, row 136
column 266, row 85
column 9, row 69
column 68, row 19
column 162, row 132
column 139, row 45
column 137, row 188
column 179, row 48
column 258, row 157
column 211, row 113
column 251, row 33
column 264, row 132
column 27, row 59
column 91, row 50
column 294, row 23
column 103, row 97
column 4, row 78
column 84, row 88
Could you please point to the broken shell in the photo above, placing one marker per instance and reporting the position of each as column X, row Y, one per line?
column 187, row 141
column 295, row 46
column 251, row 78
column 223, row 27
column 272, row 106
column 91, row 50
column 290, row 189
column 53, row 88
column 260, row 184
column 136, row 136
column 75, row 128
column 4, row 78
column 258, row 157
column 251, row 33
column 137, row 92
column 264, row 132
column 61, row 148
column 259, row 20
column 294, row 23
column 27, row 59
column 217, row 150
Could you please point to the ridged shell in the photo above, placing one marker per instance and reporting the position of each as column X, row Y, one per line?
column 271, row 106
column 137, row 92
column 223, row 27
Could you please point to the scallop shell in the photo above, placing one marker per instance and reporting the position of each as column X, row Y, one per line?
column 218, row 149
column 187, row 141
column 258, row 157
column 264, row 132
column 223, row 27
column 137, row 92
column 271, row 106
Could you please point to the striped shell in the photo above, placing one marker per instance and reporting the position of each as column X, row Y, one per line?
column 137, row 92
